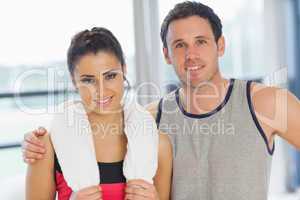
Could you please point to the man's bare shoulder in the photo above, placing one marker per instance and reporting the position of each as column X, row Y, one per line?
column 272, row 105
column 264, row 97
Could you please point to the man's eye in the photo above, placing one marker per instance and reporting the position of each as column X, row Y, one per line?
column 179, row 45
column 110, row 76
column 201, row 42
column 88, row 81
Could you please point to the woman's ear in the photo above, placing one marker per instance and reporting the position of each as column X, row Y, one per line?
column 124, row 69
column 73, row 78
column 74, row 84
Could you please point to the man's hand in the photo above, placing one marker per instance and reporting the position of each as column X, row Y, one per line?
column 90, row 193
column 140, row 189
column 32, row 147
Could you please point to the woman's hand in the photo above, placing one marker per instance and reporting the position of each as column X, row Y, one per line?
column 90, row 193
column 140, row 189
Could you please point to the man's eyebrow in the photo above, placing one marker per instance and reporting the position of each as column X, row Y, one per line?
column 177, row 40
column 197, row 37
column 202, row 37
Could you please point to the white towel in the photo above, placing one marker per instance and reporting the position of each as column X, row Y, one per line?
column 73, row 143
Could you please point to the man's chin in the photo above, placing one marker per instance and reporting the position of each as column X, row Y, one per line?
column 195, row 83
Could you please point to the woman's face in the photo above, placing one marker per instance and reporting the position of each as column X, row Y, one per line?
column 99, row 80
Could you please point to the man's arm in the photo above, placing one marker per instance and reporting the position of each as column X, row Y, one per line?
column 291, row 130
column 33, row 146
column 278, row 111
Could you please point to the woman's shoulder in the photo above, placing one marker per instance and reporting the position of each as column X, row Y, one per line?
column 165, row 146
column 152, row 108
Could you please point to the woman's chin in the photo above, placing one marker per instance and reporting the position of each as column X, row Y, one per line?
column 106, row 110
column 112, row 108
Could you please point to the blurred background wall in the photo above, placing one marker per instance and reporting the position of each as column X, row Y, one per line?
column 262, row 38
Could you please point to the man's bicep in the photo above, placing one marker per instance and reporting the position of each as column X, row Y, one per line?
column 291, row 131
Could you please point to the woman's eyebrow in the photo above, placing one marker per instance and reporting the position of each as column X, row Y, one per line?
column 87, row 75
column 112, row 70
column 105, row 73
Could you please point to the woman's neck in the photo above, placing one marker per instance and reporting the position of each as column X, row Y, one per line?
column 106, row 124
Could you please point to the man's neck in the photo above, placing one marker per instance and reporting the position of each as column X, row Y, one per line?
column 205, row 98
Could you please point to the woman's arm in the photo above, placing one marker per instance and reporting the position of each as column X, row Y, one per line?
column 142, row 190
column 40, row 183
column 163, row 177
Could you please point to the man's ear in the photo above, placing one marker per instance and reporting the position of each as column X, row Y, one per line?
column 166, row 55
column 221, row 46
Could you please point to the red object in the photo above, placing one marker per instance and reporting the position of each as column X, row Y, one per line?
column 110, row 191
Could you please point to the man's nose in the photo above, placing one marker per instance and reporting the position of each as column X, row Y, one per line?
column 191, row 53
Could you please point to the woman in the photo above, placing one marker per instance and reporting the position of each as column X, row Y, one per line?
column 97, row 67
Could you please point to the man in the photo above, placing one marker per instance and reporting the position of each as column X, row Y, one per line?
column 222, row 131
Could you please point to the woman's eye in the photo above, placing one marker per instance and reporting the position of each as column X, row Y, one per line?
column 88, row 81
column 110, row 76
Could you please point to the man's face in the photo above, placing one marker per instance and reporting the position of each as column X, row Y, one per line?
column 192, row 50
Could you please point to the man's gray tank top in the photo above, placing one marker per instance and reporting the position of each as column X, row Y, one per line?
column 220, row 155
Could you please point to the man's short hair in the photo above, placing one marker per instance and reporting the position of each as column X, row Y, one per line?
column 188, row 9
